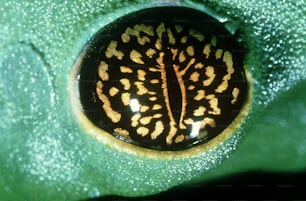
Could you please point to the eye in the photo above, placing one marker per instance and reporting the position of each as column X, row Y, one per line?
column 163, row 80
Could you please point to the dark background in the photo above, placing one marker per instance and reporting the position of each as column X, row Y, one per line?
column 240, row 187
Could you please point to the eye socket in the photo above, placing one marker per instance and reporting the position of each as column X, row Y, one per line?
column 164, row 78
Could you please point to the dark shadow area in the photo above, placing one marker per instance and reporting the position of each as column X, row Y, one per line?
column 245, row 186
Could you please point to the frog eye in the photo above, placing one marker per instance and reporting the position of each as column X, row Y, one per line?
column 161, row 79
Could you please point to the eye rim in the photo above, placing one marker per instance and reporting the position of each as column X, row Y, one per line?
column 110, row 140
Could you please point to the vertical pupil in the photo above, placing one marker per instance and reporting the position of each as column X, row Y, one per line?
column 174, row 92
column 166, row 78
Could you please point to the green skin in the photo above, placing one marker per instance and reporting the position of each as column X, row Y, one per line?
column 46, row 155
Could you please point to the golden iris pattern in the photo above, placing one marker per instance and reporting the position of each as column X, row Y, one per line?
column 163, row 78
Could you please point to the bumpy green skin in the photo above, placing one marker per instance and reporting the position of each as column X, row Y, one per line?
column 45, row 155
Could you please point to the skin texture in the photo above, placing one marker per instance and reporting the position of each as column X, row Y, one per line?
column 45, row 154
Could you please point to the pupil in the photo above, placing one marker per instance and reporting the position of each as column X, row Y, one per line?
column 174, row 92
column 166, row 78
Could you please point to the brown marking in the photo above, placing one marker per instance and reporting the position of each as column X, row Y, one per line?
column 227, row 76
column 152, row 92
column 125, row 98
column 141, row 88
column 99, row 87
column 113, row 91
column 191, row 87
column 178, row 28
column 143, row 40
column 136, row 117
column 184, row 39
column 136, row 32
column 150, row 52
column 125, row 37
column 206, row 50
column 208, row 82
column 235, row 94
column 171, row 133
column 174, row 53
column 144, row 28
column 198, row 66
column 135, row 56
column 183, row 72
column 210, row 73
column 125, row 69
column 208, row 121
column 171, row 37
column 122, row 132
column 102, row 71
column 210, row 96
column 182, row 57
column 200, row 111
column 142, row 131
column 213, row 102
column 158, row 44
column 154, row 81
column 156, row 107
column 160, row 30
column 141, row 75
column 152, row 69
column 190, row 50
column 194, row 76
column 189, row 121
column 144, row 108
column 157, row 116
column 164, row 87
column 126, row 83
column 200, row 95
column 228, row 60
column 218, row 53
column 222, row 87
column 214, row 41
column 134, row 123
column 135, row 120
column 160, row 60
column 159, row 128
column 145, row 120
column 196, row 34
column 179, row 138
column 113, row 115
column 111, row 51
column 153, row 98
column 132, row 32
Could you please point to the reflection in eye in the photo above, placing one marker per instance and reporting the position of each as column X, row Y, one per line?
column 134, row 104
column 162, row 79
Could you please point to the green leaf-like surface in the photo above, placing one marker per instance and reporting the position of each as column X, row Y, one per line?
column 45, row 155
